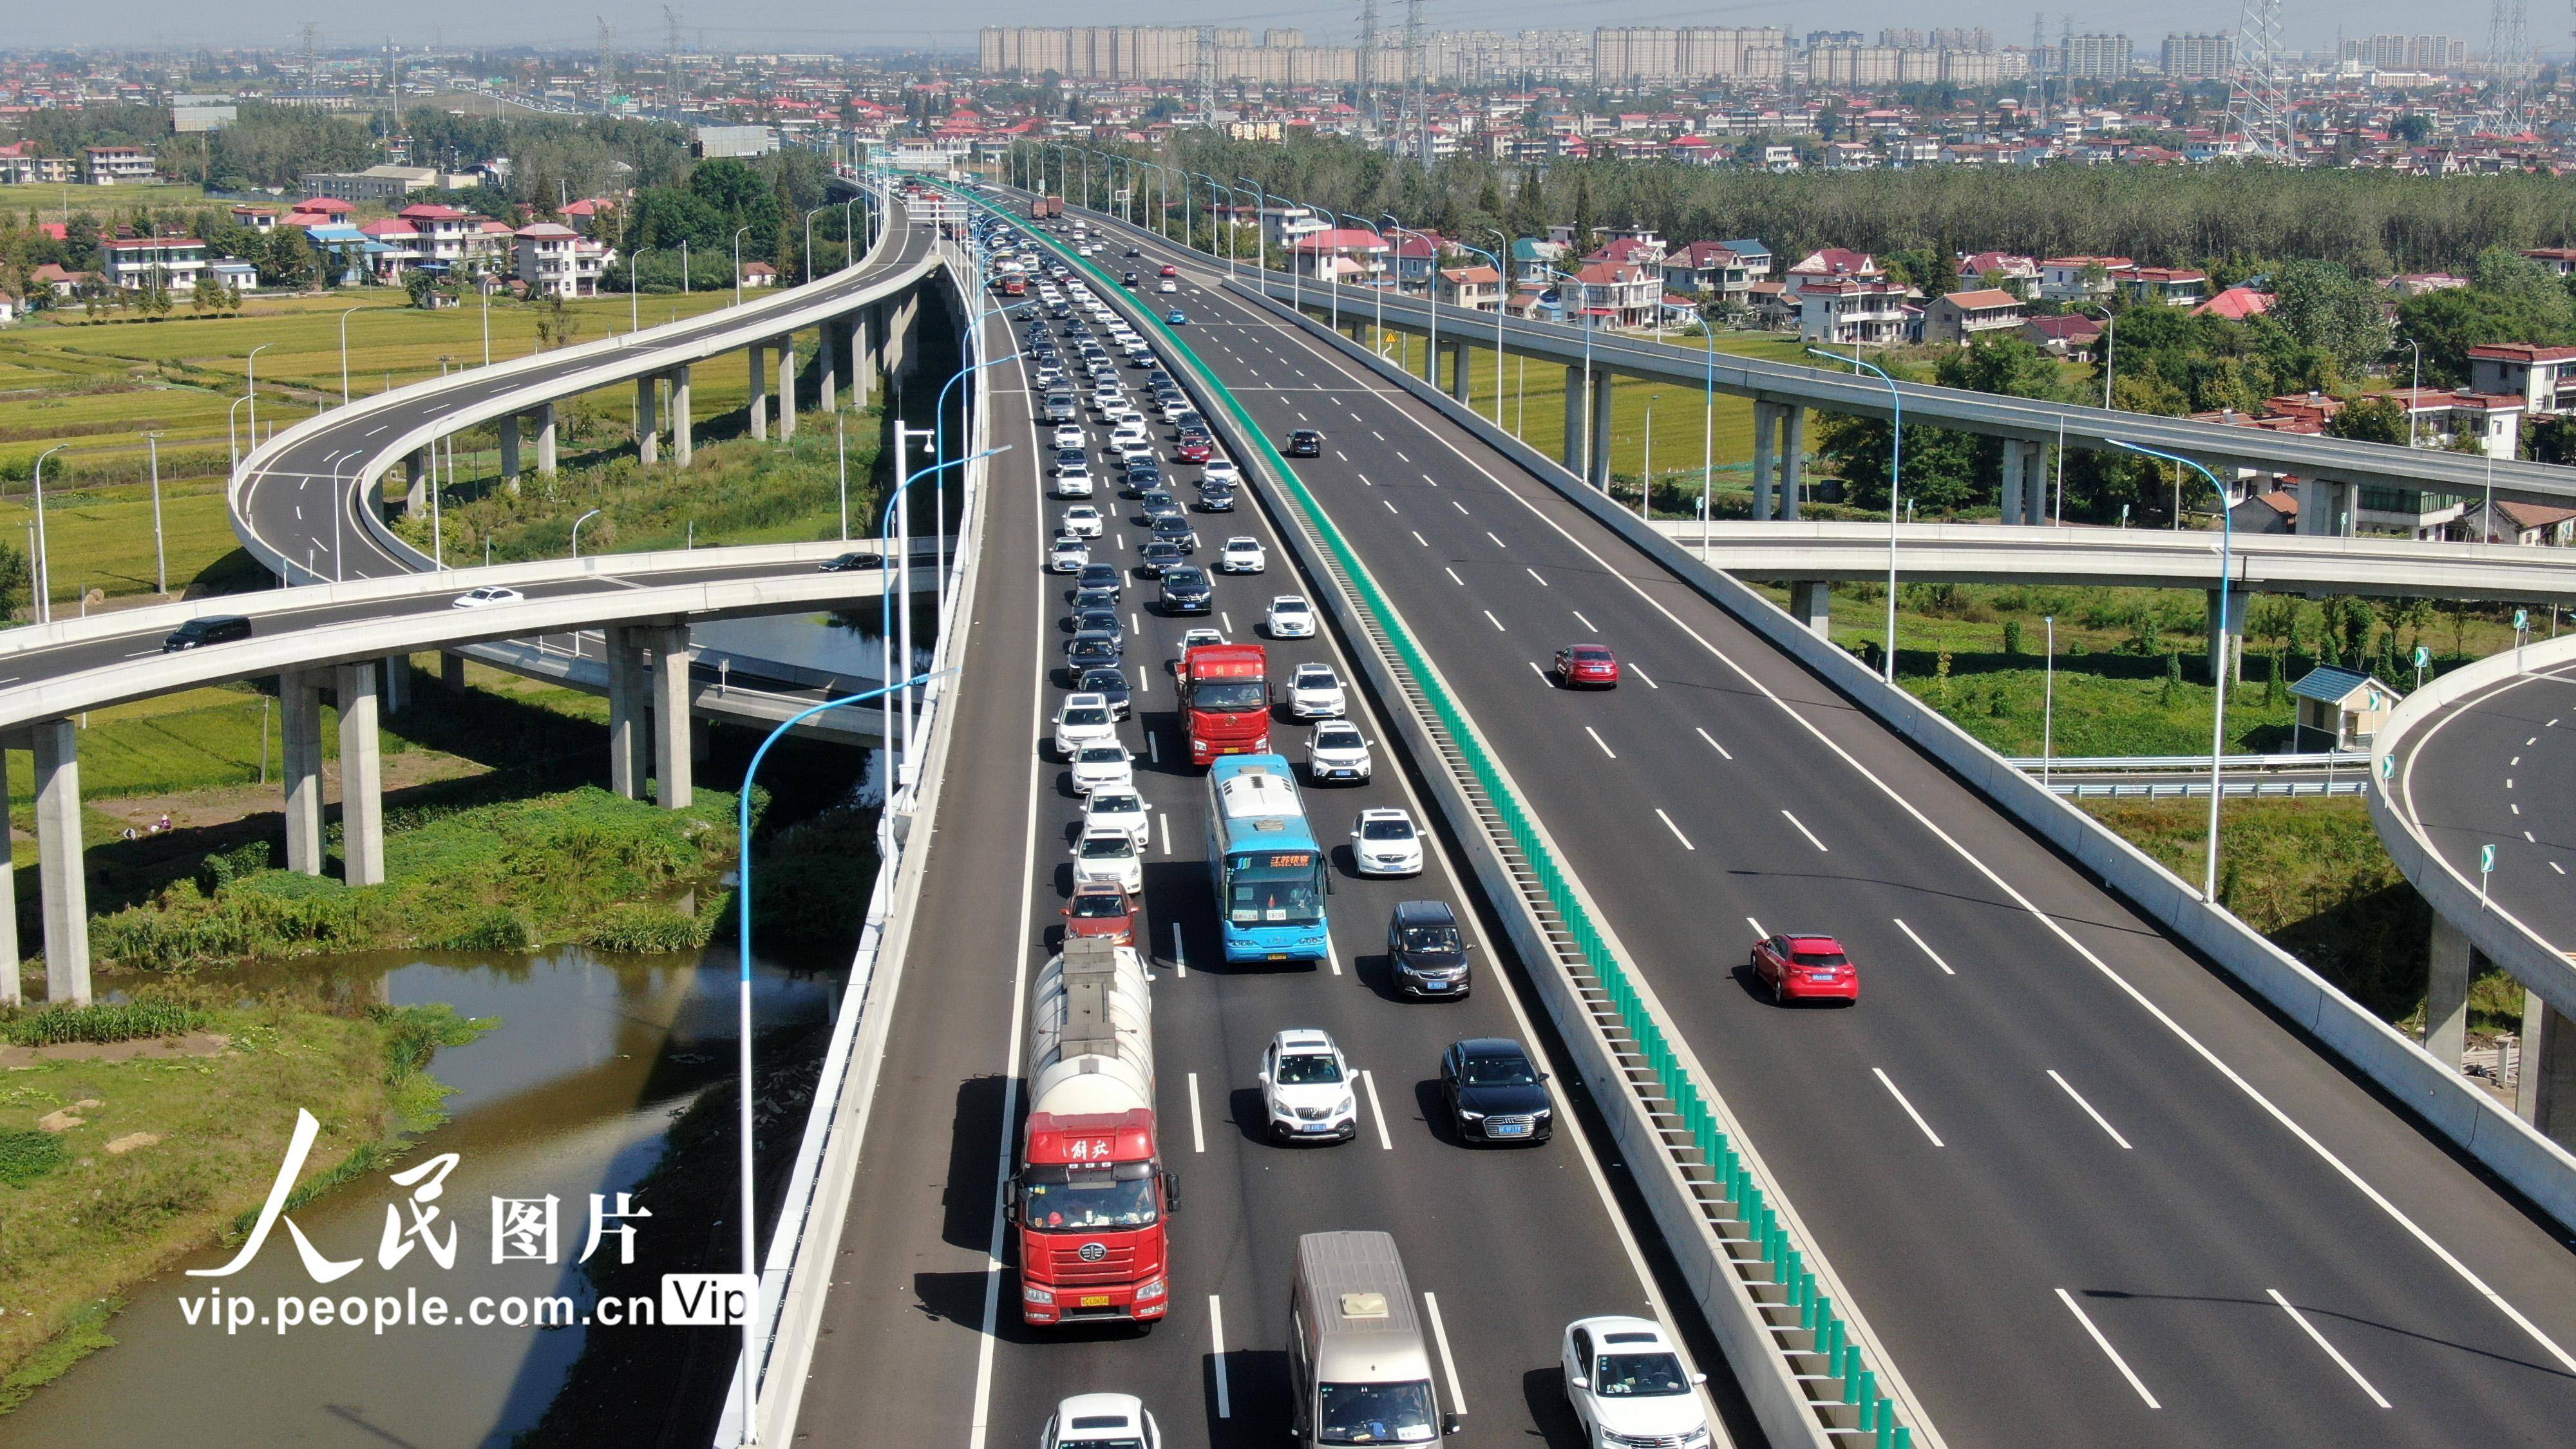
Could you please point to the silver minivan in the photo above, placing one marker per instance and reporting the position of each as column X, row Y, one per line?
column 1358, row 1371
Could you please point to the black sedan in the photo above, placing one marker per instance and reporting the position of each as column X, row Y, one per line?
column 1187, row 591
column 1100, row 576
column 1094, row 650
column 1217, row 499
column 1097, row 621
column 1494, row 1093
column 1157, row 556
column 1109, row 684
column 1305, row 443
column 844, row 563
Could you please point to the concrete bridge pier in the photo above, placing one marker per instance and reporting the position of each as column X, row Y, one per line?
column 759, row 404
column 1811, row 603
column 451, row 671
column 2546, row 1097
column 2453, row 965
column 546, row 441
column 786, row 389
column 2326, row 508
column 827, row 369
column 862, row 365
column 508, row 425
column 362, row 778
column 10, row 992
column 1793, row 458
column 2008, row 489
column 396, row 689
column 2034, row 473
column 1574, row 400
column 1460, row 381
column 299, row 699
column 1766, row 425
column 2227, row 649
column 1602, row 397
column 61, row 880
column 674, row 739
column 648, row 428
column 626, row 711
column 683, row 445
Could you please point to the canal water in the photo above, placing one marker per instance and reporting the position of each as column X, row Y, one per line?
column 571, row 1096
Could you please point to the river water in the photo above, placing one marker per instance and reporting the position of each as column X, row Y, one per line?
column 571, row 1096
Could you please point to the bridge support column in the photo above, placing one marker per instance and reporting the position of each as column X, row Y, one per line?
column 62, row 880
column 863, row 366
column 1793, row 455
column 2546, row 1098
column 11, row 992
column 546, row 440
column 396, row 689
column 1574, row 401
column 2227, row 648
column 1811, row 603
column 299, row 701
column 416, row 481
column 2453, row 965
column 648, row 428
column 683, row 443
column 759, row 405
column 1461, row 369
column 451, row 672
column 509, row 428
column 672, row 736
column 2008, row 489
column 2326, row 508
column 362, row 779
column 1602, row 398
column 827, row 363
column 1766, row 425
column 626, row 711
column 786, row 389
column 2034, row 477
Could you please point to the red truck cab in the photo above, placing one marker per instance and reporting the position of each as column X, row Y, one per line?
column 1226, row 693
column 1091, row 1202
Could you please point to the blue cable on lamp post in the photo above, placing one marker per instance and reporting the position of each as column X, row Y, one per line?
column 894, row 537
column 748, row 1207
column 1586, row 324
column 1895, row 481
column 1502, row 291
column 2221, row 667
column 939, row 444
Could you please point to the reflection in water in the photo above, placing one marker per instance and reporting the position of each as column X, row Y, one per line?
column 568, row 1098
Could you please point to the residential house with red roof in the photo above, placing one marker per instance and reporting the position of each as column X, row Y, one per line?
column 2081, row 279
column 2236, row 304
column 2543, row 377
column 1833, row 264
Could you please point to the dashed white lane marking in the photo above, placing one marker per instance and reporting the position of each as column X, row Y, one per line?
column 1924, row 946
column 2098, row 1119
column 1803, row 830
column 1883, row 1081
column 1216, row 1356
column 1498, row 543
column 2341, row 1362
column 1377, row 1110
column 1198, row 1128
column 1675, row 829
column 1418, row 538
column 1390, row 504
column 1596, row 739
column 1497, row 623
column 1448, row 1365
column 1453, row 576
column 1641, row 674
column 1713, row 744
column 2108, row 1351
column 1533, row 573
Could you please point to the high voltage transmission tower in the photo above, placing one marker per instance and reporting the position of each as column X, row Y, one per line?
column 2509, row 60
column 607, row 64
column 1206, row 76
column 2034, row 81
column 1414, row 65
column 1368, row 64
column 2258, row 103
column 673, row 81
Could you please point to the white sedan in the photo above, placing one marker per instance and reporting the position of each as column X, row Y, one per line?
column 1169, row 285
column 1069, row 435
column 1220, row 471
column 1083, row 719
column 1242, row 556
column 1105, row 766
column 1072, row 479
column 1118, row 810
column 1290, row 617
column 1081, row 521
column 1067, row 555
column 1314, row 692
column 1629, row 1385
column 1088, row 1421
column 1108, row 857
column 489, row 595
column 1337, row 751
column 1386, row 842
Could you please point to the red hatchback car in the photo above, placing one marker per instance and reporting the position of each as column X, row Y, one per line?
column 1587, row 666
column 1805, row 968
column 1101, row 909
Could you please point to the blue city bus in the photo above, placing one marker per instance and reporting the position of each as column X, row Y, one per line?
column 1270, row 875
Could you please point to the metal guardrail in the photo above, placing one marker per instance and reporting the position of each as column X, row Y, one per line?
column 2166, row 764
column 1733, row 1191
column 2199, row 789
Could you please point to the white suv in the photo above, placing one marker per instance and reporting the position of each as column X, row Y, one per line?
column 1106, row 855
column 1242, row 556
column 1290, row 617
column 1306, row 1089
column 1072, row 479
column 1118, row 810
column 1067, row 555
column 1083, row 719
column 1629, row 1385
column 1314, row 692
column 1337, row 751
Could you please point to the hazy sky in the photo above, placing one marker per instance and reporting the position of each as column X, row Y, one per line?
column 844, row 25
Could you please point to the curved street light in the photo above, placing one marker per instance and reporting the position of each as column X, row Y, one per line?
column 1502, row 283
column 737, row 264
column 44, row 600
column 1895, row 465
column 1585, row 323
column 2220, row 667
column 1260, row 227
column 1431, row 302
column 345, row 315
column 250, row 389
column 576, row 530
column 634, row 270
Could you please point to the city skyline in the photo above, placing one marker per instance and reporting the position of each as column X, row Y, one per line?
column 258, row 24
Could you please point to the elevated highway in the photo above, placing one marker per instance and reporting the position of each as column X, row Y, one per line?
column 2083, row 1189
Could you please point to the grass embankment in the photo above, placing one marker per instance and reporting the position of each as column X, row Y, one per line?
column 581, row 866
column 733, row 492
column 80, row 1221
column 2312, row 876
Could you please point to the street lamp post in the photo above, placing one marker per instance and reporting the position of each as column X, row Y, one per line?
column 1895, row 483
column 1502, row 291
column 576, row 530
column 2048, row 702
column 2221, row 666
column 1430, row 299
column 939, row 448
column 894, row 538
column 1260, row 232
column 232, row 431
column 345, row 315
column 2415, row 391
column 1589, row 442
column 2110, row 357
column 44, row 609
column 634, row 280
column 160, row 556
column 250, row 391
column 737, row 264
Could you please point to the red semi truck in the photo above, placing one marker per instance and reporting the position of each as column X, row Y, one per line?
column 1047, row 207
column 1091, row 1198
column 1226, row 693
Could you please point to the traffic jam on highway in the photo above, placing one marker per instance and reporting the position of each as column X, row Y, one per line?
column 1228, row 828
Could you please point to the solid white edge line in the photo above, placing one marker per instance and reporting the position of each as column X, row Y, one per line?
column 2332, row 1352
column 1448, row 1365
column 2108, row 1351
column 1377, row 1110
column 1675, row 829
column 2098, row 1119
column 1923, row 945
column 1883, row 1081
column 1198, row 1128
column 1216, row 1356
